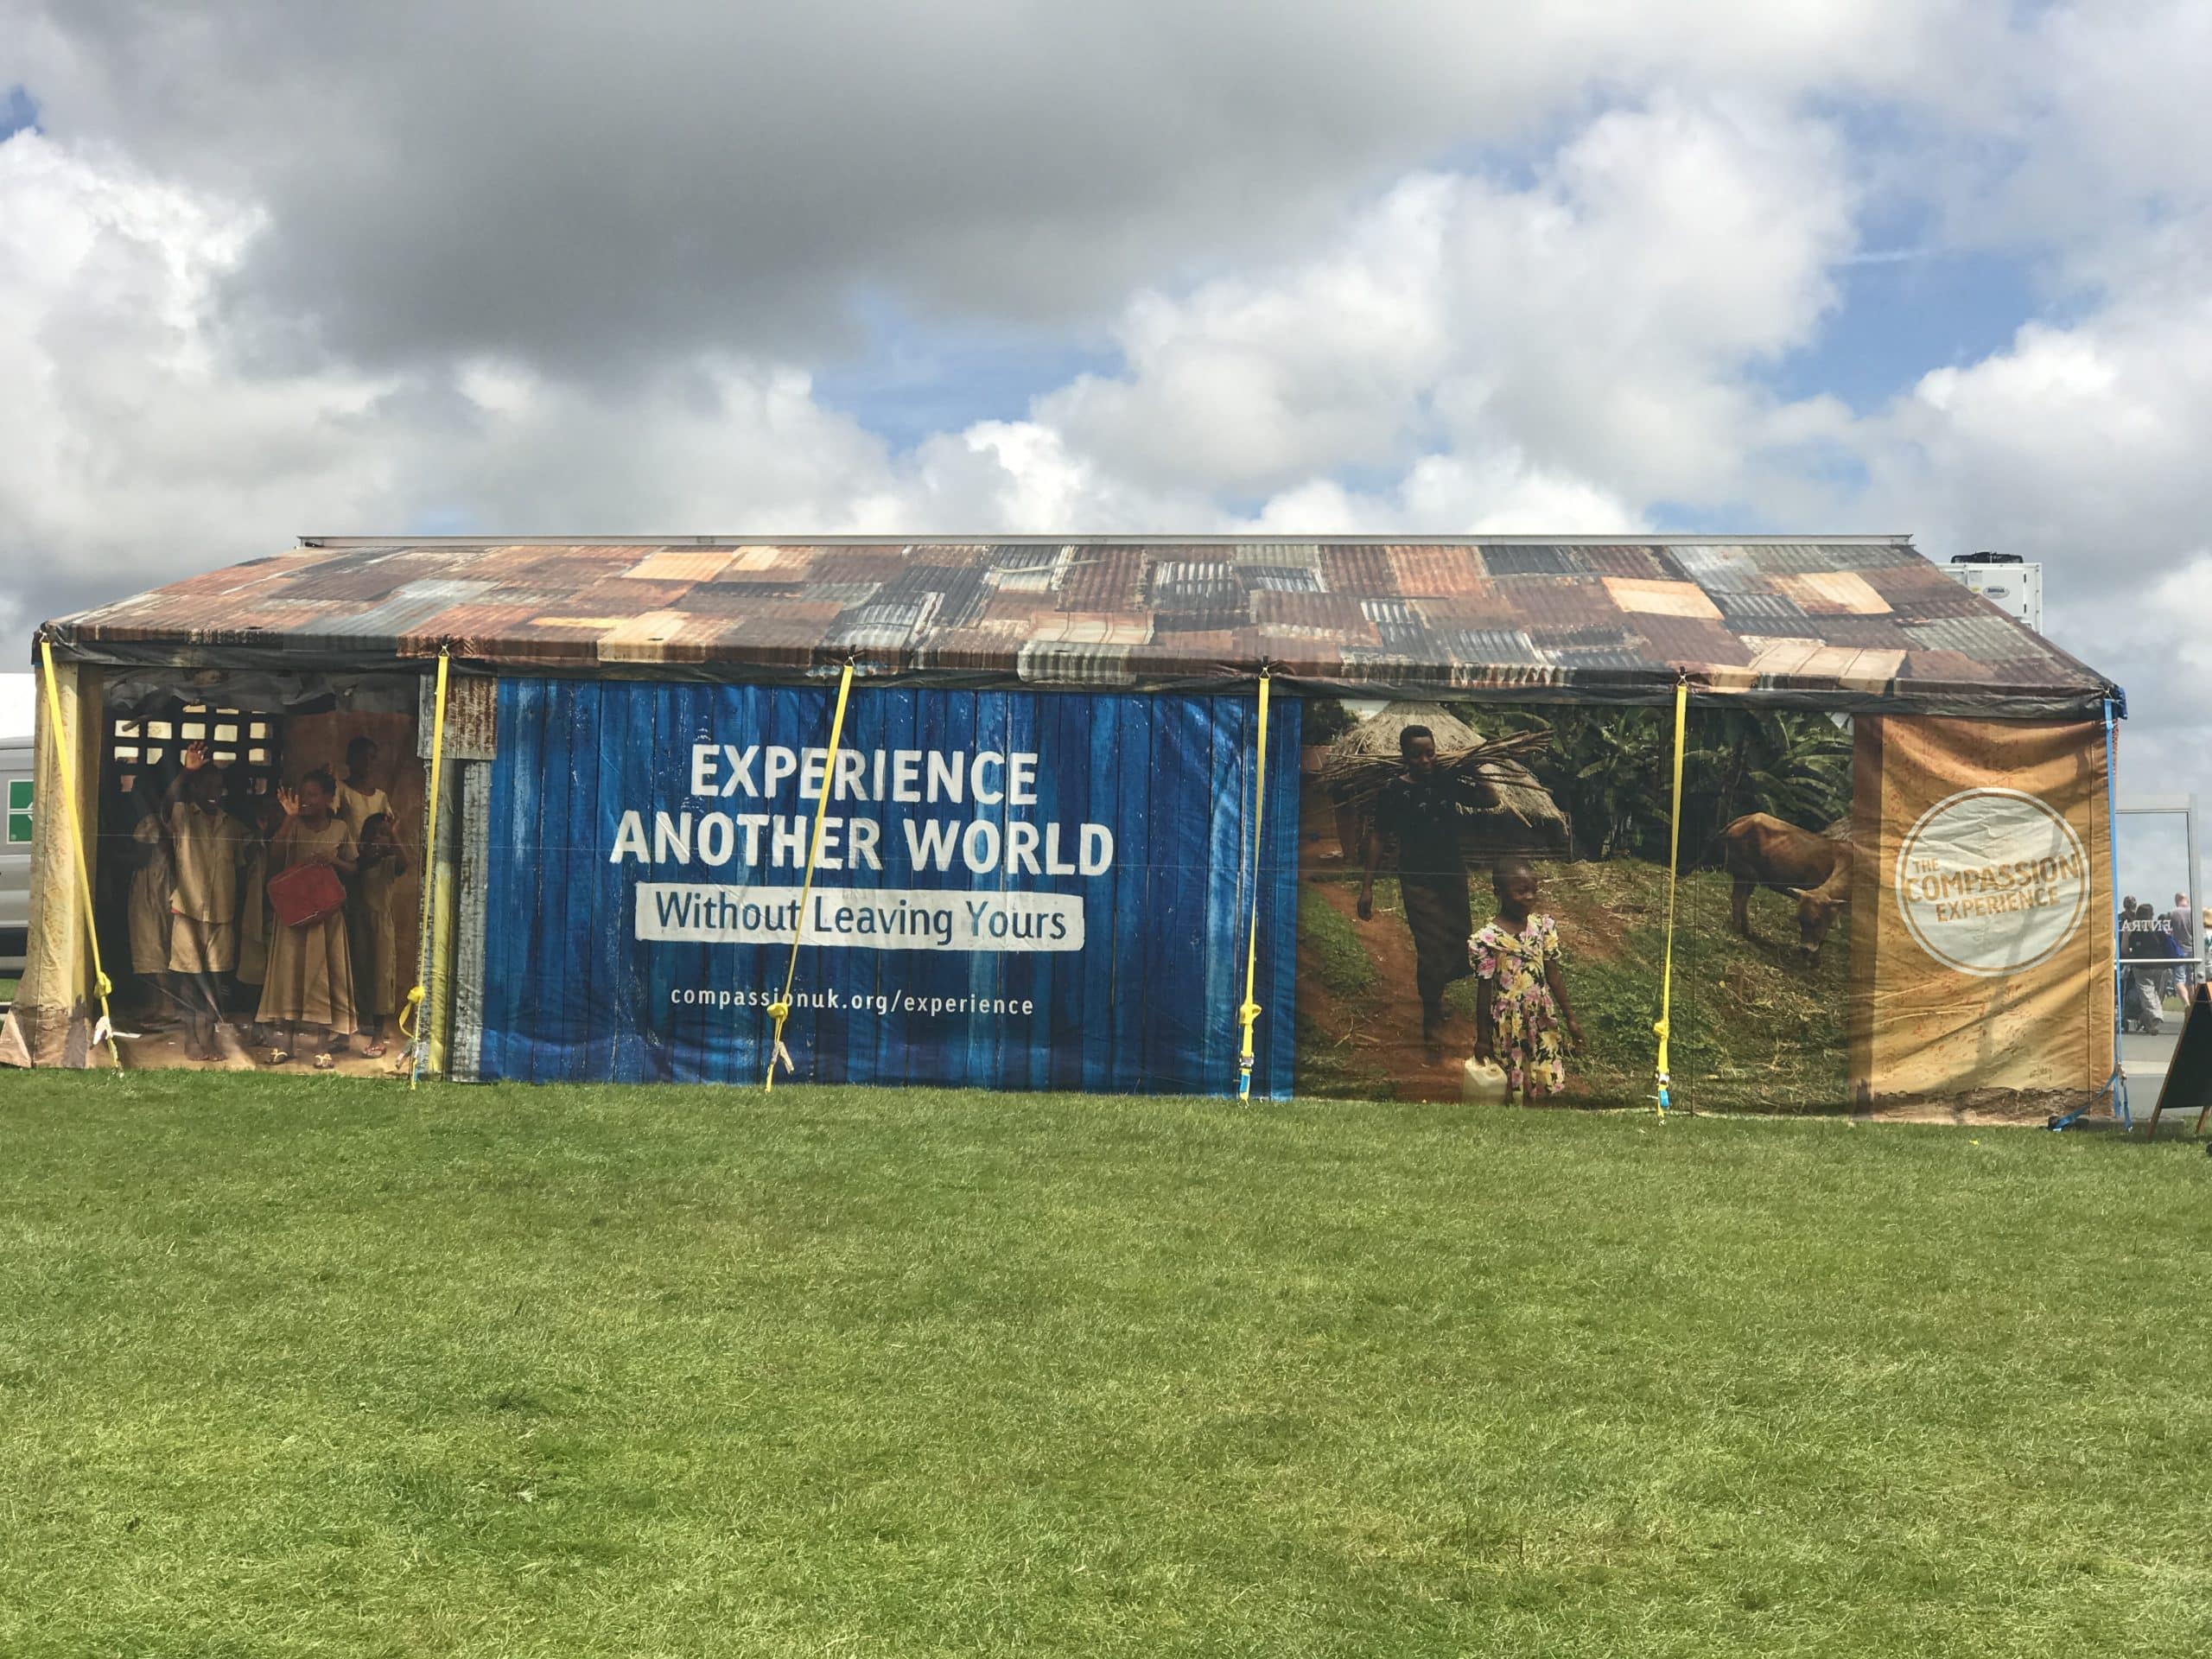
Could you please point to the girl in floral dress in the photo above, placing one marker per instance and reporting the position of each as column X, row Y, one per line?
column 1520, row 993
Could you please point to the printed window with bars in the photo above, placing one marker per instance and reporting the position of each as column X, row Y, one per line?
column 244, row 745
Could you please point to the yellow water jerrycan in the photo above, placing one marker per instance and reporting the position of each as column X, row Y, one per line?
column 1483, row 1084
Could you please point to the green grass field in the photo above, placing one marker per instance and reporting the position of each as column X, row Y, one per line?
column 304, row 1366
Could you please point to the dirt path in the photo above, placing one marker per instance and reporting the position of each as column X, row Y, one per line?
column 163, row 1047
column 1376, row 1034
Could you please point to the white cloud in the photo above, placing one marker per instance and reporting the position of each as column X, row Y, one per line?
column 143, row 436
column 131, row 441
column 1600, row 320
column 2080, row 446
column 1497, row 494
column 584, row 188
column 1253, row 382
column 2101, row 135
column 151, row 440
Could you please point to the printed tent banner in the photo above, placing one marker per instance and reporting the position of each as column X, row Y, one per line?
column 1053, row 890
column 179, row 787
column 1893, row 913
column 1984, row 876
column 1039, row 867
column 1014, row 889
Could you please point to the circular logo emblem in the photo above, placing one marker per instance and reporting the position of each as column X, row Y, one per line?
column 1991, row 882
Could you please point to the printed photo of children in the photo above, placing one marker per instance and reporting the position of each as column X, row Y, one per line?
column 372, row 919
column 1421, row 810
column 256, row 924
column 1523, row 1020
column 1413, row 815
column 310, row 978
column 207, row 850
column 207, row 810
column 153, row 885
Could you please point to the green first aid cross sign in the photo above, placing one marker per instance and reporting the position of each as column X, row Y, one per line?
column 19, row 811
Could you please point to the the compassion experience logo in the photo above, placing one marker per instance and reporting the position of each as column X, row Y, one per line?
column 1991, row 882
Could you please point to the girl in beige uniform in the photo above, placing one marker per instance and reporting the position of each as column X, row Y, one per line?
column 368, row 914
column 256, row 923
column 311, row 968
column 376, row 937
column 151, row 885
column 358, row 799
column 208, row 848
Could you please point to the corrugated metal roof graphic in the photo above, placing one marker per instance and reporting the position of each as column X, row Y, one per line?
column 1438, row 571
column 1281, row 578
column 1839, row 619
column 1363, row 570
column 1689, row 641
column 1563, row 600
column 1302, row 555
column 1761, row 612
column 1103, row 578
column 1628, row 560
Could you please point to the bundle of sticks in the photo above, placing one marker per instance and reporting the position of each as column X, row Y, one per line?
column 1356, row 778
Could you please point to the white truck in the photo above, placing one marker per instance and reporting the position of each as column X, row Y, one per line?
column 15, row 855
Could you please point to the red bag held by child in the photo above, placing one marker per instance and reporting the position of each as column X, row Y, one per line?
column 306, row 894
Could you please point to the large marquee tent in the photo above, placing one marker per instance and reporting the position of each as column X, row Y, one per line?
column 1043, row 854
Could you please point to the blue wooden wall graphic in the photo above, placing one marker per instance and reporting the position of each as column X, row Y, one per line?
column 1147, row 1005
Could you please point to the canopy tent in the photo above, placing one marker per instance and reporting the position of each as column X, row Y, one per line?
column 1043, row 859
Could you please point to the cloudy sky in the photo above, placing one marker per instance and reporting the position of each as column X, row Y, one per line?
column 1928, row 265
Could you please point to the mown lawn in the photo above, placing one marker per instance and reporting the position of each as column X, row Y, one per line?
column 304, row 1366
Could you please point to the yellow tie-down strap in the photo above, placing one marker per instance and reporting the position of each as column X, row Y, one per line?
column 102, row 986
column 780, row 1009
column 1664, row 1027
column 410, row 1016
column 1248, row 1011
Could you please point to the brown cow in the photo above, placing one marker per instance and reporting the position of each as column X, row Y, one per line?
column 1760, row 850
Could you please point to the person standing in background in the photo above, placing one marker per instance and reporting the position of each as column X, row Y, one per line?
column 2181, row 922
column 359, row 801
column 376, row 945
column 152, row 886
column 256, row 924
column 2141, row 958
column 1423, row 809
column 208, row 846
column 2171, row 951
column 2134, row 948
column 310, row 983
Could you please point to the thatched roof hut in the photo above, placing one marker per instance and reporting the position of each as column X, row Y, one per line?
column 1526, row 818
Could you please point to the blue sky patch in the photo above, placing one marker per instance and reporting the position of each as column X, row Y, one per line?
column 18, row 112
column 909, row 379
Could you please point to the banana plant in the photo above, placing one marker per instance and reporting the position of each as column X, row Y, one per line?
column 1610, row 769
